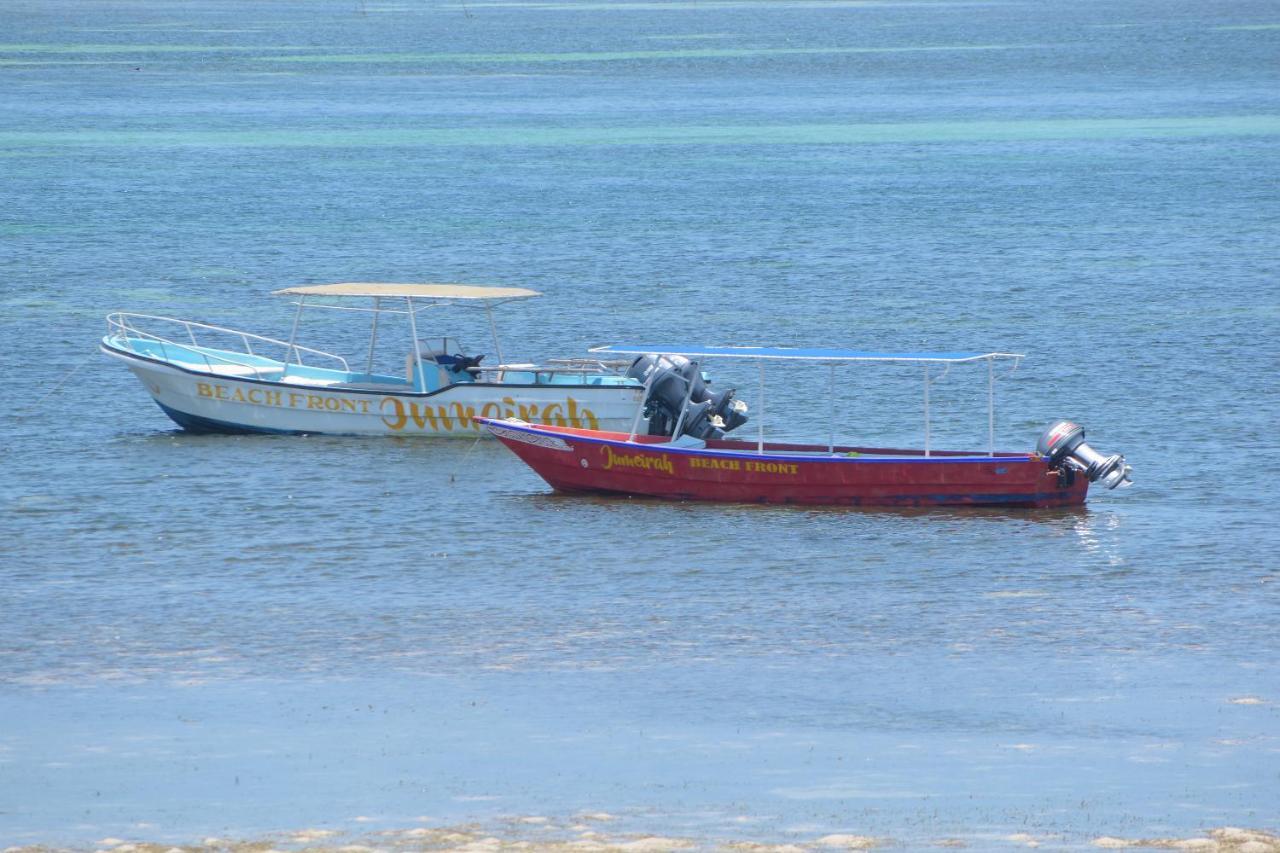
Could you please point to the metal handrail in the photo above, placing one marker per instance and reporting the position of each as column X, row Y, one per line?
column 119, row 324
column 595, row 365
column 548, row 370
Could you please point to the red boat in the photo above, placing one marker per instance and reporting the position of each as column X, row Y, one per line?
column 699, row 463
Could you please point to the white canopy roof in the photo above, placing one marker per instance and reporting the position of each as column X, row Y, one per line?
column 417, row 291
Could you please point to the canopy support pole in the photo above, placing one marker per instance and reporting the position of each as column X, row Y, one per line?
column 926, row 410
column 760, row 434
column 831, row 401
column 644, row 396
column 493, row 329
column 684, row 404
column 417, row 348
column 991, row 406
column 293, row 336
column 373, row 335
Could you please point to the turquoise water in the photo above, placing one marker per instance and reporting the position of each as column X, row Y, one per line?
column 242, row 637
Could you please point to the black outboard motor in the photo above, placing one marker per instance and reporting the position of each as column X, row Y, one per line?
column 1063, row 441
column 465, row 363
column 672, row 378
column 458, row 365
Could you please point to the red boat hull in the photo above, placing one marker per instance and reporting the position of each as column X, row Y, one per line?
column 592, row 461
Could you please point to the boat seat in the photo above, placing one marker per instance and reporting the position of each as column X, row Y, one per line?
column 433, row 374
column 450, row 368
column 309, row 380
column 239, row 370
column 385, row 387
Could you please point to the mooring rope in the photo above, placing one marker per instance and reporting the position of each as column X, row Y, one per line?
column 62, row 381
column 454, row 476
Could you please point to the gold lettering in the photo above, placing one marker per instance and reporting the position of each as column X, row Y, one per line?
column 398, row 421
column 397, row 415
column 220, row 391
column 255, row 396
column 204, row 389
column 715, row 464
column 333, row 404
column 558, row 418
column 273, row 398
column 637, row 460
column 465, row 415
column 426, row 415
column 773, row 467
column 239, row 396
column 293, row 400
column 315, row 401
column 364, row 405
column 586, row 421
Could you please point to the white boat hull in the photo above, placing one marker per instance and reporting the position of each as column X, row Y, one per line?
column 205, row 402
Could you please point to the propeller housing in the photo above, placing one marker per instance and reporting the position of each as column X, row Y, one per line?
column 1062, row 442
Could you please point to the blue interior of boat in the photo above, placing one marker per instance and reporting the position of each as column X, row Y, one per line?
column 432, row 377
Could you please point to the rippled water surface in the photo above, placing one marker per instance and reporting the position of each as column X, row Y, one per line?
column 234, row 636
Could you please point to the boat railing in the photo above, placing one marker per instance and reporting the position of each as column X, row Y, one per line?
column 582, row 368
column 124, row 328
column 589, row 365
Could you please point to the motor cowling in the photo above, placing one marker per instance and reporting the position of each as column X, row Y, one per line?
column 1062, row 442
column 672, row 378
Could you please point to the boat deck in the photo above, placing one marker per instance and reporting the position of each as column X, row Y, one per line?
column 248, row 365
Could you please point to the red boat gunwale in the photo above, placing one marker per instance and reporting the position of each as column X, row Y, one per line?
column 749, row 447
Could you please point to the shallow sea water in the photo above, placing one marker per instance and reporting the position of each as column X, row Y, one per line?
column 243, row 638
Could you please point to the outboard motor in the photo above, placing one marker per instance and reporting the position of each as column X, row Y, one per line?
column 1063, row 441
column 457, row 367
column 670, row 379
column 462, row 364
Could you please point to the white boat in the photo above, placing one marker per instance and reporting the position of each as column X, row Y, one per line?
column 215, row 379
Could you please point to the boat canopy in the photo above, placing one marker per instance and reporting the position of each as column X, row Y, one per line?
column 801, row 354
column 413, row 291
column 829, row 357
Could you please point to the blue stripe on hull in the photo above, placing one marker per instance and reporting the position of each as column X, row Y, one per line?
column 1017, row 500
column 197, row 424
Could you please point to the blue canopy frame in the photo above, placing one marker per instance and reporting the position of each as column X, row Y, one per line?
column 830, row 357
column 800, row 354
